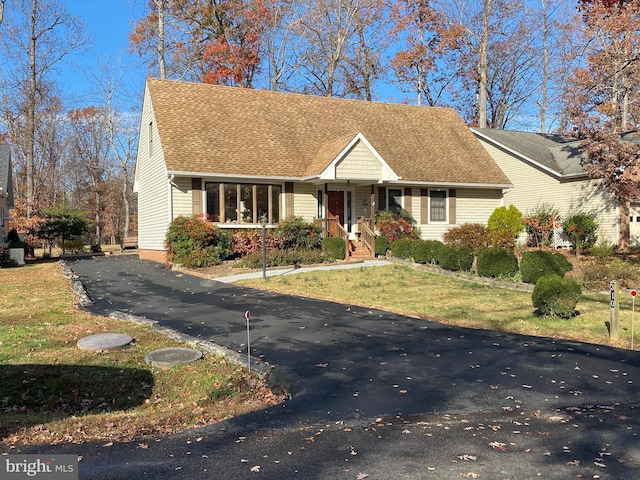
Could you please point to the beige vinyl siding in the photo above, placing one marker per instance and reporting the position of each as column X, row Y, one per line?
column 182, row 197
column 534, row 187
column 359, row 163
column 475, row 205
column 305, row 203
column 362, row 198
column 472, row 206
column 152, row 185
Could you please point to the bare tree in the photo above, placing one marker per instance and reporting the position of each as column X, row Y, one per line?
column 326, row 28
column 40, row 34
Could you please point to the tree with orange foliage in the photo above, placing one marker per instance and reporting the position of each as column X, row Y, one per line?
column 430, row 40
column 214, row 41
column 602, row 102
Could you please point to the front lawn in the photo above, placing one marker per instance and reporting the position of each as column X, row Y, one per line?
column 52, row 391
column 407, row 291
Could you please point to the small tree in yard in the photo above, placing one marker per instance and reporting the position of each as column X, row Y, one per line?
column 62, row 224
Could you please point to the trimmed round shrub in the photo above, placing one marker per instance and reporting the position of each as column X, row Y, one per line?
column 455, row 258
column 556, row 296
column 335, row 248
column 506, row 219
column 426, row 251
column 381, row 245
column 496, row 262
column 401, row 248
column 538, row 263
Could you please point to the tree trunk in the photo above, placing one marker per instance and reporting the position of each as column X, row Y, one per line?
column 482, row 66
column 31, row 110
column 625, row 226
column 545, row 66
column 160, row 4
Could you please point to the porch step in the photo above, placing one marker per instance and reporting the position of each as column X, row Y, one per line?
column 358, row 251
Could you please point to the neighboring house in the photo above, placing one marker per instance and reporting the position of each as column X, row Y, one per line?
column 545, row 169
column 6, row 190
column 244, row 156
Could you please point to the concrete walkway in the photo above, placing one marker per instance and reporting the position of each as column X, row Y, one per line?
column 374, row 394
column 292, row 271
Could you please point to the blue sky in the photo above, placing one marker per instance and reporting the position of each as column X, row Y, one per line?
column 108, row 22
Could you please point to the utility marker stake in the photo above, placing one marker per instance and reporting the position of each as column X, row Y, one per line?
column 247, row 315
column 633, row 311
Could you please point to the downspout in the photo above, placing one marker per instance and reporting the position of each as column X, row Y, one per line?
column 170, row 209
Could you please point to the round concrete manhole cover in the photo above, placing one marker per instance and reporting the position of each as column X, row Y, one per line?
column 105, row 341
column 168, row 357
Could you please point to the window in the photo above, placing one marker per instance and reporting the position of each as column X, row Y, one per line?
column 213, row 201
column 242, row 202
column 320, row 213
column 395, row 200
column 437, row 206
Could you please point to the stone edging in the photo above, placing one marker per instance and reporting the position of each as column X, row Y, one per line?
column 260, row 367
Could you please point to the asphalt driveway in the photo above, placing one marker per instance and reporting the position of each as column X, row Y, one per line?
column 375, row 394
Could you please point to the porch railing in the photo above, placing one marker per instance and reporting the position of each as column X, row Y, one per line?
column 367, row 235
column 331, row 227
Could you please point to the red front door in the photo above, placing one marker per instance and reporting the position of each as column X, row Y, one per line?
column 335, row 209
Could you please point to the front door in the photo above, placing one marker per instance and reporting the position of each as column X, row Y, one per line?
column 335, row 209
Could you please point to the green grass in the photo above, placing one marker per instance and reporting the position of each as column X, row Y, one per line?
column 421, row 294
column 52, row 391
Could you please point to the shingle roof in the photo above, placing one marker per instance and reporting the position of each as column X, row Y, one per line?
column 559, row 153
column 213, row 129
column 6, row 178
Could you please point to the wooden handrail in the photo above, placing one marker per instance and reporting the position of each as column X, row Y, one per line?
column 342, row 232
column 367, row 235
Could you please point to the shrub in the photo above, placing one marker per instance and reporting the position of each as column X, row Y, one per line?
column 556, row 296
column 502, row 239
column 394, row 227
column 279, row 258
column 381, row 245
column 295, row 232
column 193, row 242
column 540, row 224
column 506, row 219
column 454, row 257
column 401, row 248
column 538, row 263
column 581, row 230
column 602, row 249
column 472, row 235
column 496, row 262
column 426, row 251
column 334, row 248
column 4, row 255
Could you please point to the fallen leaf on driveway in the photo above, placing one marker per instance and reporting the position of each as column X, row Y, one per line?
column 498, row 446
column 322, row 365
column 255, row 468
column 362, row 476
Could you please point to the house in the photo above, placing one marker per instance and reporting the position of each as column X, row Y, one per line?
column 6, row 191
column 244, row 156
column 546, row 169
